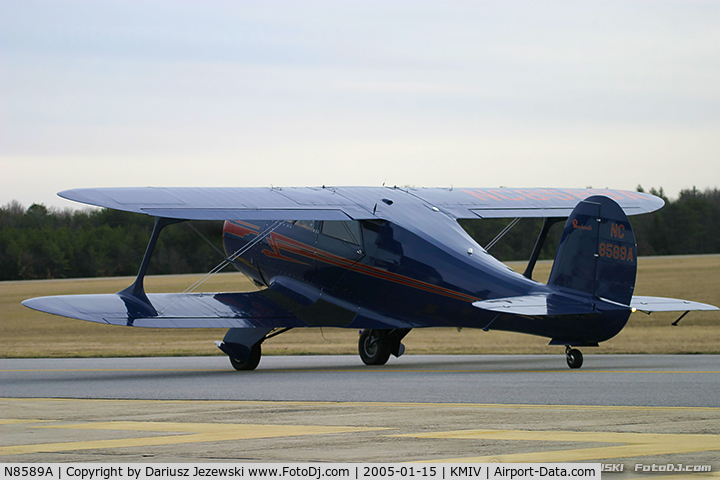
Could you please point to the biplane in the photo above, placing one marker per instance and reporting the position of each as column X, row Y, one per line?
column 385, row 261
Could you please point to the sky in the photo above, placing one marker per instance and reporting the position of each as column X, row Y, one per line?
column 409, row 93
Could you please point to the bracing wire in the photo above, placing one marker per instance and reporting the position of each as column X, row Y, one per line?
column 502, row 233
column 214, row 247
column 227, row 261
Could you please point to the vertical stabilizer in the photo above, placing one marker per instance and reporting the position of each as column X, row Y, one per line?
column 597, row 252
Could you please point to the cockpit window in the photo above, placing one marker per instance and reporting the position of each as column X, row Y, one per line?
column 347, row 231
column 309, row 224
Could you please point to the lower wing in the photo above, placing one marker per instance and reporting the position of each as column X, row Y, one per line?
column 172, row 310
column 286, row 304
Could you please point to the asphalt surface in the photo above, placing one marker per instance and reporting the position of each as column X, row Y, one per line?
column 645, row 380
column 619, row 409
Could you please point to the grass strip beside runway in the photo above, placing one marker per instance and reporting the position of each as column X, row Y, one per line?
column 26, row 333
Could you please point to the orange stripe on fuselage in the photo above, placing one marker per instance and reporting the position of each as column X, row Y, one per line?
column 240, row 229
column 278, row 242
column 336, row 260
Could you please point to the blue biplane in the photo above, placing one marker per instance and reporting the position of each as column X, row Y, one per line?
column 385, row 261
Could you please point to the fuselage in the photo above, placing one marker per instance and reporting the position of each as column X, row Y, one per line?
column 416, row 277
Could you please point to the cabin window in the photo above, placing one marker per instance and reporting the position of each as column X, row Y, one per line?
column 309, row 224
column 346, row 231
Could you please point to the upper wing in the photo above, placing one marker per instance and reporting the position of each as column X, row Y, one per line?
column 358, row 203
column 224, row 203
column 529, row 202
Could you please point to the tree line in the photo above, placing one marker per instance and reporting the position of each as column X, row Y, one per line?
column 688, row 225
column 38, row 243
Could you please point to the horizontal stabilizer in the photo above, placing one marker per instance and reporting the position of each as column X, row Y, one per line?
column 551, row 304
column 554, row 304
column 661, row 304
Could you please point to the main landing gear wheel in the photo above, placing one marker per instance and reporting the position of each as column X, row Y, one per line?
column 374, row 348
column 574, row 357
column 253, row 361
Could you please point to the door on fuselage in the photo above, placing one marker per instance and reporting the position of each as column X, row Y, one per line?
column 339, row 249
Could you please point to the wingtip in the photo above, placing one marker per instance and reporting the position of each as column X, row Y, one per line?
column 75, row 195
column 37, row 304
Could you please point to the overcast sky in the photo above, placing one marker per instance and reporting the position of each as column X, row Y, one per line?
column 452, row 93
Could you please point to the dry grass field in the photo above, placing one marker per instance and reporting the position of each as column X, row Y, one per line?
column 26, row 333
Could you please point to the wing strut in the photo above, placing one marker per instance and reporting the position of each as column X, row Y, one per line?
column 547, row 223
column 134, row 296
column 136, row 300
column 268, row 230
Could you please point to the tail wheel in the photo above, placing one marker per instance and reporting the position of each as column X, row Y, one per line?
column 374, row 347
column 252, row 362
column 574, row 357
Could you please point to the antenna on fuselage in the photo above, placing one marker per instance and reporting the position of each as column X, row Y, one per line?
column 376, row 202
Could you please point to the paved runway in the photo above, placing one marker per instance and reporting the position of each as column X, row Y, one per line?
column 617, row 408
column 659, row 380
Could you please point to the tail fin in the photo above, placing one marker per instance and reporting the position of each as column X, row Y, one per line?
column 597, row 252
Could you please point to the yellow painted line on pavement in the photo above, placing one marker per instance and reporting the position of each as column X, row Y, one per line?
column 302, row 403
column 592, row 445
column 60, row 370
column 432, row 370
column 627, row 445
column 181, row 433
column 359, row 369
column 353, row 368
column 624, row 445
column 12, row 421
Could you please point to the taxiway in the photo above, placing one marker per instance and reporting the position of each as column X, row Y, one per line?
column 617, row 408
